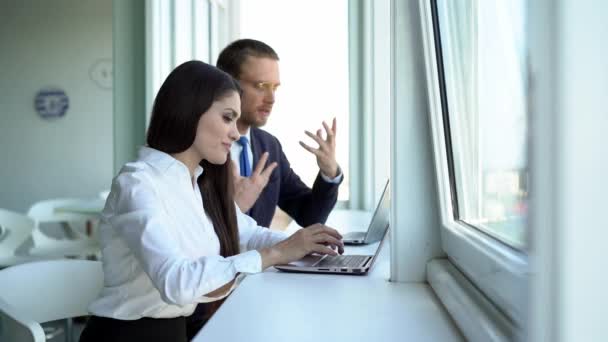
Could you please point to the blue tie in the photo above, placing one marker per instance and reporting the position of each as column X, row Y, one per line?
column 244, row 159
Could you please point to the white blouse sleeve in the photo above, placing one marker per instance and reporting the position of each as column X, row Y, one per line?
column 252, row 236
column 137, row 215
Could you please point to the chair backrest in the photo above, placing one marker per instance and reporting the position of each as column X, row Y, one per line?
column 46, row 211
column 104, row 194
column 18, row 327
column 44, row 291
column 16, row 229
column 49, row 211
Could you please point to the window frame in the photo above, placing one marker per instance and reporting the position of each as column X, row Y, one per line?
column 370, row 98
column 499, row 271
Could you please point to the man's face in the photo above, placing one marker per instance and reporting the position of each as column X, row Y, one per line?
column 259, row 79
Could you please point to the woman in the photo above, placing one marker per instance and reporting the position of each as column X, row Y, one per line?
column 171, row 234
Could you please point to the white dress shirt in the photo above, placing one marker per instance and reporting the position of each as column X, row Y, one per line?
column 159, row 249
column 235, row 155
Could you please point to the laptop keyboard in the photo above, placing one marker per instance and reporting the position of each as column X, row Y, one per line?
column 343, row 261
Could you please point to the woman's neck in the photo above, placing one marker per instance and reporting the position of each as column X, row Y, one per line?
column 189, row 159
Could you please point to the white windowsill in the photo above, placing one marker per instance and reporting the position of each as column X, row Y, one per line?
column 477, row 318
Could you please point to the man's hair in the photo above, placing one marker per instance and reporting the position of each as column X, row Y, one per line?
column 185, row 96
column 234, row 55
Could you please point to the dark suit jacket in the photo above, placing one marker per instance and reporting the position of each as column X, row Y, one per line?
column 306, row 206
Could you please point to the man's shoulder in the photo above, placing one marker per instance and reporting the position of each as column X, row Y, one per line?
column 267, row 142
column 264, row 136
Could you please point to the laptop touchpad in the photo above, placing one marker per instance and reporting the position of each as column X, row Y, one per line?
column 306, row 261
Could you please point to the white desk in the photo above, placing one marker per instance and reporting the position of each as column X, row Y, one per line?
column 277, row 306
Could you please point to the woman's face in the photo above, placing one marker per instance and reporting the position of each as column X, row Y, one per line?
column 217, row 130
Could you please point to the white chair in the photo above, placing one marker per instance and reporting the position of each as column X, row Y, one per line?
column 104, row 194
column 44, row 291
column 66, row 212
column 15, row 230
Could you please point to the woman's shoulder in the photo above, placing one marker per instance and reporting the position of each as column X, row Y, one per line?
column 134, row 174
column 134, row 183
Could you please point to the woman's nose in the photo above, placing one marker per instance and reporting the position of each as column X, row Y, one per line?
column 234, row 133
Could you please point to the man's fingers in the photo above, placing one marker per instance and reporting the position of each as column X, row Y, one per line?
column 323, row 145
column 328, row 131
column 316, row 138
column 268, row 170
column 235, row 169
column 261, row 163
column 334, row 126
column 310, row 149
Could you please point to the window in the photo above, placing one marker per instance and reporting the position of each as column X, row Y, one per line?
column 483, row 55
column 479, row 119
column 181, row 30
column 311, row 39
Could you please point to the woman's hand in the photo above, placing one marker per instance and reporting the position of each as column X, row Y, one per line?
column 317, row 238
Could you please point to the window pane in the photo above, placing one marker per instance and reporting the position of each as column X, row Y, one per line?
column 484, row 60
column 311, row 39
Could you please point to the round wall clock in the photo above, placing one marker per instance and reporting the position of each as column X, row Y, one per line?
column 101, row 73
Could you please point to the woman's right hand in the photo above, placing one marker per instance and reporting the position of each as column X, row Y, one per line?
column 317, row 238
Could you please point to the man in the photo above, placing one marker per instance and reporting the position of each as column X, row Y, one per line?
column 266, row 178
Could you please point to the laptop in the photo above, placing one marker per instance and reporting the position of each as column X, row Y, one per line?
column 349, row 264
column 378, row 225
column 339, row 264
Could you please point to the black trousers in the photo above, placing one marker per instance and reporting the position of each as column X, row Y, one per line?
column 103, row 329
column 200, row 316
column 180, row 329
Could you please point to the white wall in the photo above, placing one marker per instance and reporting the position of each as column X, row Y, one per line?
column 415, row 215
column 382, row 96
column 570, row 164
column 53, row 43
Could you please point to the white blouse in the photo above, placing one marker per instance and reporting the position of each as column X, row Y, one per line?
column 159, row 250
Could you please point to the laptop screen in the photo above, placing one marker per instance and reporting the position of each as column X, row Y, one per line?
column 380, row 220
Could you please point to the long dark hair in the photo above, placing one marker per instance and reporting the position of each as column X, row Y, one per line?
column 187, row 93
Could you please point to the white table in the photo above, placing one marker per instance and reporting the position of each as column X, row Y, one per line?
column 277, row 306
